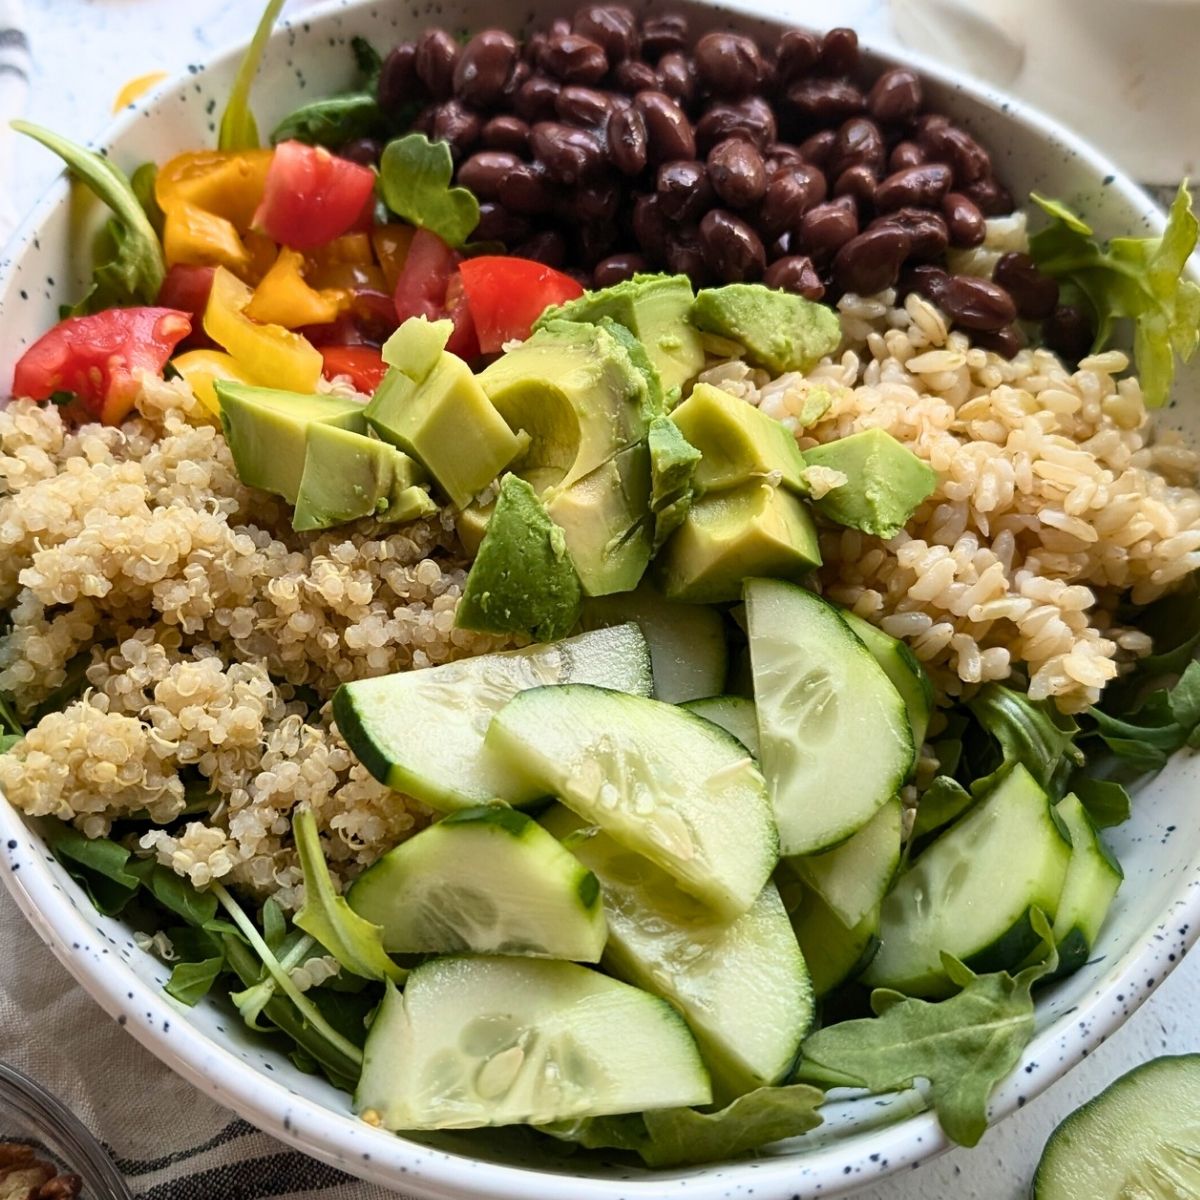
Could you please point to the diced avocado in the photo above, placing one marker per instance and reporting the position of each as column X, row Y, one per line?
column 522, row 580
column 578, row 395
column 673, row 461
column 729, row 536
column 606, row 520
column 885, row 482
column 348, row 475
column 815, row 403
column 416, row 346
column 656, row 403
column 471, row 524
column 654, row 308
column 446, row 422
column 780, row 330
column 266, row 431
column 738, row 443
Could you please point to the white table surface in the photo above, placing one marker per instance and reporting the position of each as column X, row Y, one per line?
column 84, row 50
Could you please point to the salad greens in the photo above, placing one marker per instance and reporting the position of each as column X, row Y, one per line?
column 1138, row 278
column 414, row 178
column 239, row 131
column 336, row 120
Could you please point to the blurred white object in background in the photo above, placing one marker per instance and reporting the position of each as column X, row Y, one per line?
column 14, row 86
column 1123, row 73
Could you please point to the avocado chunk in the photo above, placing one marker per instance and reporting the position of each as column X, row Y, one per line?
column 656, row 403
column 780, row 331
column 471, row 524
column 522, row 580
column 738, row 444
column 348, row 475
column 885, row 482
column 605, row 517
column 416, row 347
column 729, row 536
column 673, row 461
column 267, row 431
column 654, row 308
column 447, row 423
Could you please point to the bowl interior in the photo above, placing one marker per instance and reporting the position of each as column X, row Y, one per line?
column 1159, row 848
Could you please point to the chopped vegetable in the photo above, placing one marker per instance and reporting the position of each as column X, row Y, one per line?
column 284, row 297
column 507, row 295
column 363, row 364
column 414, row 177
column 239, row 131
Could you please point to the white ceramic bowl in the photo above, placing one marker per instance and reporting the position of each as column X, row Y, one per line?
column 1155, row 918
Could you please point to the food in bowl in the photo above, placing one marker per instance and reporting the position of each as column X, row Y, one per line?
column 582, row 517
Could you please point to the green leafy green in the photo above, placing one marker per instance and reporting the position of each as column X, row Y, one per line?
column 129, row 265
column 291, row 951
column 331, row 122
column 174, row 892
column 9, row 721
column 1136, row 278
column 1166, row 721
column 239, row 131
column 71, row 688
column 100, row 866
column 354, row 941
column 942, row 802
column 414, row 177
column 142, row 181
column 963, row 1046
column 190, row 982
column 1107, row 802
column 8, row 741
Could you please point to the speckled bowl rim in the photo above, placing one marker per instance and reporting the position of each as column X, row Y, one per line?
column 161, row 1025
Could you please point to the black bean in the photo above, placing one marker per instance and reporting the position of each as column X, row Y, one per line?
column 436, row 58
column 594, row 203
column 992, row 197
column 453, row 122
column 965, row 221
column 859, row 143
column 365, row 151
column 399, row 84
column 871, row 261
column 781, row 154
column 818, row 149
column 483, row 68
column 575, row 59
column 732, row 250
column 1068, row 332
column 536, row 99
column 1034, row 293
column 921, row 187
column 583, row 106
column 977, row 303
column 549, row 247
column 751, row 118
column 827, row 227
column 534, row 47
column 796, row 55
column 612, row 26
column 517, row 77
column 685, row 190
column 650, row 226
column 617, row 269
column 669, row 133
column 795, row 273
column 825, row 101
column 927, row 281
column 1006, row 342
column 677, row 77
column 627, row 141
column 594, row 242
column 633, row 76
column 569, row 155
column 423, row 121
column 926, row 230
column 859, row 182
column 790, row 194
column 497, row 224
column 971, row 162
column 737, row 172
column 526, row 190
column 905, row 154
column 484, row 172
column 728, row 64
column 505, row 133
column 685, row 255
column 929, row 127
column 660, row 35
column 839, row 52
column 895, row 97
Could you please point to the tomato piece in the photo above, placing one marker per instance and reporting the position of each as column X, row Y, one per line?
column 430, row 286
column 508, row 294
column 463, row 341
column 364, row 365
column 311, row 196
column 99, row 357
column 186, row 288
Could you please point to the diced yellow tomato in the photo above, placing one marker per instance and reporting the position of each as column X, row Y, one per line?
column 202, row 367
column 136, row 88
column 199, row 238
column 391, row 244
column 349, row 248
column 269, row 354
column 230, row 185
column 285, row 298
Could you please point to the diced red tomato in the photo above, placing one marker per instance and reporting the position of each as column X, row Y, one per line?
column 311, row 196
column 463, row 340
column 364, row 365
column 508, row 294
column 98, row 357
column 430, row 286
column 187, row 288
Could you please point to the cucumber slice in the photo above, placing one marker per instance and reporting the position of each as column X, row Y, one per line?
column 901, row 666
column 687, row 641
column 836, row 743
column 489, row 880
column 971, row 892
column 1138, row 1140
column 833, row 951
column 854, row 877
column 421, row 732
column 661, row 781
column 734, row 714
column 1093, row 877
column 507, row 1041
column 741, row 985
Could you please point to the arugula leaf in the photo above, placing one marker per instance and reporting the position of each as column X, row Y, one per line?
column 8, row 717
column 129, row 260
column 414, row 177
column 174, row 892
column 8, row 741
column 190, row 982
column 98, row 865
column 292, row 950
column 331, row 122
column 1166, row 721
column 239, row 131
column 1107, row 802
column 963, row 1046
column 142, row 181
column 354, row 941
column 1136, row 278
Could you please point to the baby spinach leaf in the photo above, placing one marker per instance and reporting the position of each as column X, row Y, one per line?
column 331, row 122
column 1164, row 722
column 174, row 892
column 99, row 865
column 963, row 1046
column 414, row 177
column 129, row 260
column 1136, row 278
column 354, row 941
column 368, row 60
column 239, row 131
column 190, row 982
column 1106, row 801
column 942, row 802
